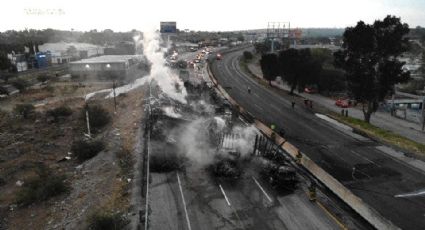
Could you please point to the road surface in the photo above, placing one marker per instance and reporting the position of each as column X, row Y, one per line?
column 192, row 198
column 357, row 162
column 219, row 204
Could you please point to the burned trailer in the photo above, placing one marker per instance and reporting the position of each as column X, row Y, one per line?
column 228, row 158
column 282, row 177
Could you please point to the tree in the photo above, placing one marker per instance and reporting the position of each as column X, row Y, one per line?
column 247, row 55
column 72, row 51
column 369, row 57
column 299, row 68
column 261, row 47
column 269, row 66
column 5, row 63
column 240, row 37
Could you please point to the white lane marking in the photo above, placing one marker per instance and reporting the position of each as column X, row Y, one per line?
column 412, row 194
column 365, row 158
column 147, row 176
column 184, row 203
column 261, row 188
column 258, row 106
column 224, row 194
column 240, row 118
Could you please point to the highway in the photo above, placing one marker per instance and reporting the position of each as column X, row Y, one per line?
column 191, row 198
column 357, row 162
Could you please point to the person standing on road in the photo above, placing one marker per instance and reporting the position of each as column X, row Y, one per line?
column 293, row 104
column 249, row 89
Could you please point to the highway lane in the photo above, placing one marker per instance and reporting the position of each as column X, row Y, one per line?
column 368, row 172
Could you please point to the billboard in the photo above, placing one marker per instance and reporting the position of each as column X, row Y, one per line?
column 168, row 27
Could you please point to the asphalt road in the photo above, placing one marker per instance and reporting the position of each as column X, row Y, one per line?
column 207, row 203
column 357, row 162
column 194, row 199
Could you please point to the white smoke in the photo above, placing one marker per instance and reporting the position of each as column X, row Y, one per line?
column 167, row 80
column 194, row 143
column 170, row 111
column 195, row 139
column 244, row 141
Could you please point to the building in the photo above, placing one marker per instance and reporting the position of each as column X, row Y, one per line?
column 19, row 61
column 108, row 67
column 62, row 52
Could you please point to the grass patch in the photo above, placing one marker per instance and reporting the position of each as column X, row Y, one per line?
column 381, row 134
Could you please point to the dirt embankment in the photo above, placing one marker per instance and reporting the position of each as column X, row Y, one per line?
column 101, row 182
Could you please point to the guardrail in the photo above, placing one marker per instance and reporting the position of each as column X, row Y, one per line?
column 355, row 202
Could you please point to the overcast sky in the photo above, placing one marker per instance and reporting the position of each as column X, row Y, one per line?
column 212, row 15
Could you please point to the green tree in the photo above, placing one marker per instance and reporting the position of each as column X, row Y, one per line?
column 269, row 66
column 5, row 63
column 261, row 47
column 247, row 55
column 298, row 68
column 369, row 57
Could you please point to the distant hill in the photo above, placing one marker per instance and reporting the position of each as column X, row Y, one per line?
column 322, row 32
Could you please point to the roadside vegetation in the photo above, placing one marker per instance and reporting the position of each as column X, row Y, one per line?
column 86, row 149
column 369, row 52
column 44, row 185
column 381, row 134
column 59, row 112
column 98, row 116
column 25, row 110
column 106, row 220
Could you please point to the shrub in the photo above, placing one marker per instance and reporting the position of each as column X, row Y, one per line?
column 125, row 162
column 42, row 187
column 20, row 84
column 24, row 110
column 3, row 91
column 62, row 111
column 98, row 116
column 103, row 220
column 181, row 64
column 86, row 149
column 42, row 78
column 247, row 55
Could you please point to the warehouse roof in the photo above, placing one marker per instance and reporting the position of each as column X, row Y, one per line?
column 108, row 59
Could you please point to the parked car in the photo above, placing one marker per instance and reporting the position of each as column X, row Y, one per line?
column 218, row 56
column 310, row 90
column 343, row 103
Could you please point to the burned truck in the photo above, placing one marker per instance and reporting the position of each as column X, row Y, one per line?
column 282, row 177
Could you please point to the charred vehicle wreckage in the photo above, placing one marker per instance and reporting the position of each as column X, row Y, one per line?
column 206, row 130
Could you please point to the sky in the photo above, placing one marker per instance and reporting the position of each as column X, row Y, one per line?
column 209, row 15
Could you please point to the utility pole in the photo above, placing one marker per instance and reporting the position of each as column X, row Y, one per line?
column 115, row 100
column 423, row 113
column 88, row 122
